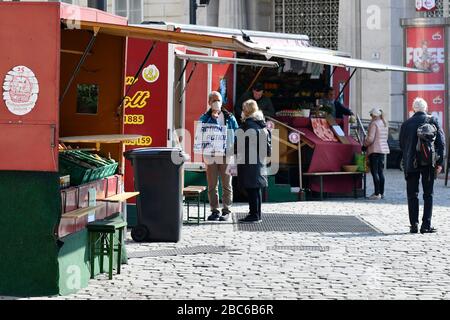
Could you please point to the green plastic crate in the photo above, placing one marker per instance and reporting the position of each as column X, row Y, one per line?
column 78, row 174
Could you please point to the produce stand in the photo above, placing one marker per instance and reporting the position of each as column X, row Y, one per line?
column 303, row 75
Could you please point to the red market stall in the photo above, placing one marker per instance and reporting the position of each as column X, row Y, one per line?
column 334, row 69
column 43, row 235
column 63, row 79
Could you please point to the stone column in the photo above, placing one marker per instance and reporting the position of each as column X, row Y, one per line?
column 259, row 15
column 349, row 40
column 232, row 14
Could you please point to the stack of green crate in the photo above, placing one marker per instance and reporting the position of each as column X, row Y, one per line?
column 84, row 167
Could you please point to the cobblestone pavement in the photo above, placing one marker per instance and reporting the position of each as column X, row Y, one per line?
column 392, row 264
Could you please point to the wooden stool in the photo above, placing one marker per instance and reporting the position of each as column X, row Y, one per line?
column 195, row 192
column 104, row 232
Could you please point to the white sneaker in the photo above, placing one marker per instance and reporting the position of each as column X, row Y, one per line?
column 375, row 197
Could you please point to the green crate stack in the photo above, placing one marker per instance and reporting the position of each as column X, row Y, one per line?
column 85, row 167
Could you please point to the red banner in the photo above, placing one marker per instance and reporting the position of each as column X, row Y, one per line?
column 426, row 50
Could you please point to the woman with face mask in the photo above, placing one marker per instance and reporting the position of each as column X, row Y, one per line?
column 218, row 115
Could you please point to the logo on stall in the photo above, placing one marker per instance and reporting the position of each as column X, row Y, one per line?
column 294, row 138
column 20, row 90
column 425, row 5
column 150, row 74
column 437, row 36
column 429, row 4
column 270, row 125
column 438, row 100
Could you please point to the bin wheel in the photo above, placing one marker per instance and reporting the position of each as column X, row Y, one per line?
column 139, row 233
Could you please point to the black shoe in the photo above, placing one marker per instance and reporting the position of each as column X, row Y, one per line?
column 215, row 216
column 250, row 219
column 429, row 230
column 225, row 217
column 414, row 229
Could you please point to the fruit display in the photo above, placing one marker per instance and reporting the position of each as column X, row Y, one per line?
column 302, row 113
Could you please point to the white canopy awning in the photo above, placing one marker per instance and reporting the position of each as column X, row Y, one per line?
column 223, row 60
column 327, row 59
column 270, row 44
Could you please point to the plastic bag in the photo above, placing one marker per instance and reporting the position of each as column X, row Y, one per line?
column 361, row 160
column 231, row 169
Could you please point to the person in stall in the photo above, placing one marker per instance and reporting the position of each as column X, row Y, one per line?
column 264, row 103
column 338, row 109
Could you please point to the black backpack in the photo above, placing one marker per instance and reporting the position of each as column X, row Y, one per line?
column 426, row 155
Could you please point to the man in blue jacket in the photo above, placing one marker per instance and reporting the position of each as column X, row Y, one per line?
column 413, row 171
column 217, row 114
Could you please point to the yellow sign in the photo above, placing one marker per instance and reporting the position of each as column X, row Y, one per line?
column 131, row 80
column 139, row 100
column 144, row 141
column 135, row 119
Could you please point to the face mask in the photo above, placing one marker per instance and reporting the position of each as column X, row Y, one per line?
column 216, row 106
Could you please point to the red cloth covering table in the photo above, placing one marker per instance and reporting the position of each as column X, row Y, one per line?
column 328, row 157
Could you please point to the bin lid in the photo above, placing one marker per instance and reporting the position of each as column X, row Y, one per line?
column 154, row 152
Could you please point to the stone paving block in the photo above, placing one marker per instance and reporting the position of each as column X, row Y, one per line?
column 386, row 266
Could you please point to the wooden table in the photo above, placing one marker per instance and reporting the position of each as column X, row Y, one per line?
column 99, row 139
column 329, row 174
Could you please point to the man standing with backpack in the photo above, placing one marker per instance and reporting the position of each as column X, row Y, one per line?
column 422, row 142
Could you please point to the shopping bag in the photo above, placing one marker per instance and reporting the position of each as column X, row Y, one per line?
column 231, row 169
column 362, row 161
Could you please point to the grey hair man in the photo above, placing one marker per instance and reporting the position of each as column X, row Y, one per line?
column 414, row 170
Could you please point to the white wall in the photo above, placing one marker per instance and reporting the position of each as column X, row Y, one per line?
column 162, row 10
column 167, row 10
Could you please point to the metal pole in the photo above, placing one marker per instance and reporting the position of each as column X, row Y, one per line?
column 136, row 76
column 359, row 55
column 346, row 84
column 255, row 78
column 193, row 12
column 78, row 67
column 188, row 80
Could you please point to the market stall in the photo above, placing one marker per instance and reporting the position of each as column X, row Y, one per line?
column 59, row 81
column 167, row 92
column 295, row 88
column 61, row 118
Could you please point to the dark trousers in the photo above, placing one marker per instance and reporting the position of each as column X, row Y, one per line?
column 412, row 182
column 377, row 169
column 254, row 201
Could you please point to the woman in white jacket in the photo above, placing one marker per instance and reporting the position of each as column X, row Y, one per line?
column 377, row 147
